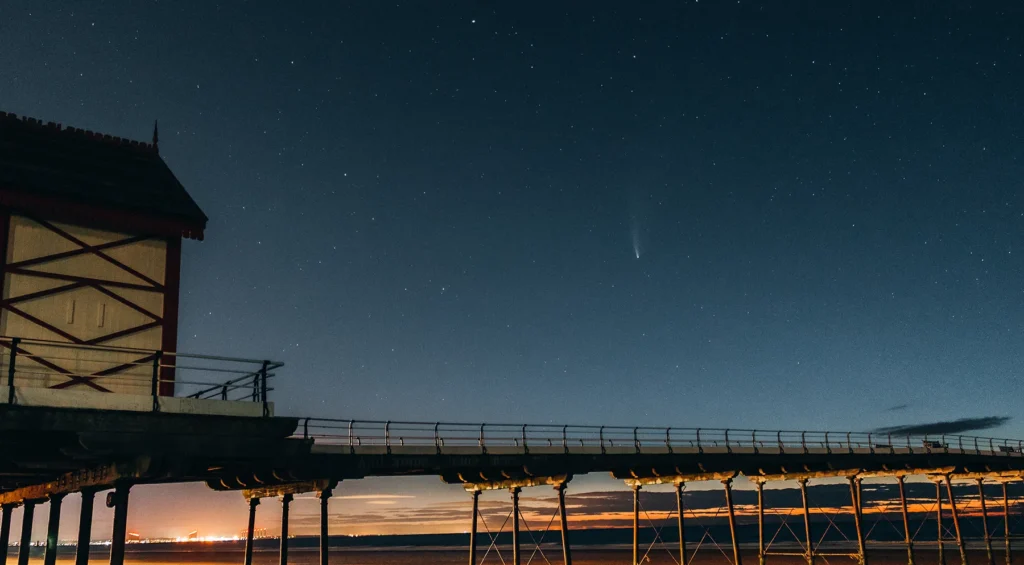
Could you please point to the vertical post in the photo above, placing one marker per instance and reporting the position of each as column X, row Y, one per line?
column 325, row 497
column 85, row 528
column 515, row 525
column 938, row 520
column 636, row 524
column 11, row 365
column 25, row 546
column 984, row 522
column 155, row 385
column 286, row 500
column 956, row 522
column 736, row 559
column 566, row 548
column 5, row 532
column 809, row 555
column 472, row 528
column 906, row 521
column 760, row 522
column 1006, row 526
column 118, row 500
column 680, row 512
column 52, row 529
column 263, row 388
column 253, row 503
column 858, row 519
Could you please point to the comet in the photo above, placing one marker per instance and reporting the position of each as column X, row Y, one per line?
column 635, row 232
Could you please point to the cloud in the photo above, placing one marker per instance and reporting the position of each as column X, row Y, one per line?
column 947, row 427
column 897, row 408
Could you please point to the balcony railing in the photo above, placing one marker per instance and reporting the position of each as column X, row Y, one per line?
column 40, row 364
column 569, row 439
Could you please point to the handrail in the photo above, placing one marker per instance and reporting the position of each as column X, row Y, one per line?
column 526, row 438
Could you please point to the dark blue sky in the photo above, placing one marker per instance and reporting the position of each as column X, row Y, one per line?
column 432, row 210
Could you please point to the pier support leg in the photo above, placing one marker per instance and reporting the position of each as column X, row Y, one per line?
column 472, row 527
column 906, row 520
column 760, row 522
column 118, row 500
column 325, row 552
column 984, row 522
column 25, row 546
column 680, row 510
column 956, row 522
column 515, row 525
column 53, row 530
column 5, row 531
column 566, row 548
column 736, row 559
column 250, row 530
column 286, row 501
column 1006, row 525
column 938, row 520
column 85, row 528
column 809, row 556
column 636, row 524
column 858, row 519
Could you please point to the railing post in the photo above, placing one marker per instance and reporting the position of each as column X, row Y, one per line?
column 156, row 380
column 10, row 369
column 263, row 388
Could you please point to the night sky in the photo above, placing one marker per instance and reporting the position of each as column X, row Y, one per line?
column 712, row 214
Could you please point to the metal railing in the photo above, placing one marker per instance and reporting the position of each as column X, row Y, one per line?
column 33, row 363
column 439, row 435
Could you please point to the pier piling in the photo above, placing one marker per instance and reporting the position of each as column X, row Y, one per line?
column 253, row 503
column 636, row 524
column 52, row 529
column 858, row 519
column 908, row 540
column 85, row 527
column 515, row 525
column 938, row 520
column 286, row 501
column 679, row 519
column 566, row 548
column 325, row 497
column 118, row 500
column 25, row 546
column 472, row 527
column 956, row 522
column 809, row 555
column 737, row 560
column 1006, row 525
column 5, row 531
column 984, row 522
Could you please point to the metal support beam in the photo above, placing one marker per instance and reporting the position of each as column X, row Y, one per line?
column 85, row 527
column 5, row 531
column 251, row 530
column 809, row 555
column 680, row 511
column 736, row 559
column 908, row 539
column 472, row 528
column 53, row 529
column 325, row 552
column 118, row 500
column 984, row 522
column 1006, row 526
column 956, row 522
column 25, row 546
column 636, row 524
column 566, row 547
column 286, row 501
column 938, row 520
column 760, row 522
column 515, row 525
column 858, row 519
